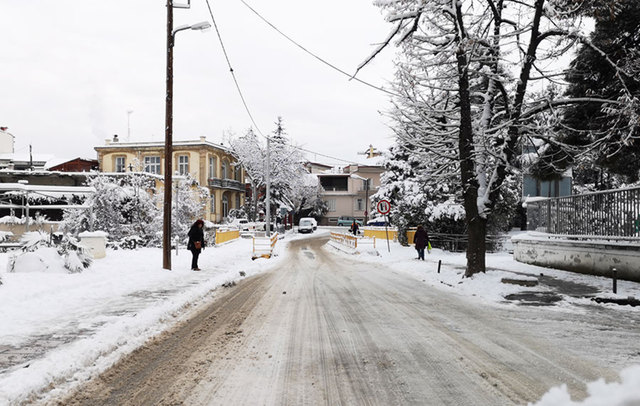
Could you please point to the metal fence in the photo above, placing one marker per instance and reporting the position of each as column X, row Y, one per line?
column 611, row 213
column 459, row 242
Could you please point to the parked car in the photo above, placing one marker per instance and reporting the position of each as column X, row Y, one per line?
column 243, row 224
column 377, row 222
column 312, row 220
column 305, row 225
column 347, row 221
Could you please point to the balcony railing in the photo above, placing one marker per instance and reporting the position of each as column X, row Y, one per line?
column 226, row 184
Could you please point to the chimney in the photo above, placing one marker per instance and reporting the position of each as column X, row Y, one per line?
column 107, row 141
column 115, row 138
column 203, row 138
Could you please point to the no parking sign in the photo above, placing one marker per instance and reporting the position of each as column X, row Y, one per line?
column 383, row 207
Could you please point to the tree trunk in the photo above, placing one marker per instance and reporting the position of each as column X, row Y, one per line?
column 476, row 225
column 477, row 232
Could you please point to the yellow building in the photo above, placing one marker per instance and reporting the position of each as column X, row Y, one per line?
column 212, row 165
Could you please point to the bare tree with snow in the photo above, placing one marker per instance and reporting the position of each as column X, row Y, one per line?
column 290, row 187
column 464, row 89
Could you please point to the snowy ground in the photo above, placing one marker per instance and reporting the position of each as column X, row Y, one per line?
column 568, row 291
column 571, row 287
column 59, row 329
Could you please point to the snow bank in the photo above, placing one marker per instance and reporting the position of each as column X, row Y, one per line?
column 83, row 323
column 623, row 393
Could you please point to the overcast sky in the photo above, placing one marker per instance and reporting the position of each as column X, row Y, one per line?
column 70, row 71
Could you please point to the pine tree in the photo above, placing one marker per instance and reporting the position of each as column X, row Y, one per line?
column 615, row 40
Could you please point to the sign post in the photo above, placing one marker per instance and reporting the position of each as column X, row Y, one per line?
column 384, row 207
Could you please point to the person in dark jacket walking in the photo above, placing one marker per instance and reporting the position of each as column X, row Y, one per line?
column 196, row 243
column 421, row 240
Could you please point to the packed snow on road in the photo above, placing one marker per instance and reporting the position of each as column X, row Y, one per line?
column 57, row 330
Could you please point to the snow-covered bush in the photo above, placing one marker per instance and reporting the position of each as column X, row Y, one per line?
column 189, row 205
column 121, row 206
column 39, row 254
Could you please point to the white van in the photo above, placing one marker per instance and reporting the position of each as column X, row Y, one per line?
column 307, row 225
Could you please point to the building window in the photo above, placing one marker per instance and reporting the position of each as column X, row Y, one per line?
column 152, row 164
column 237, row 172
column 120, row 163
column 212, row 167
column 225, row 170
column 183, row 164
column 331, row 204
column 237, row 201
column 359, row 204
column 213, row 205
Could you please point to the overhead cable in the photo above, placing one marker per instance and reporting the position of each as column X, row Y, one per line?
column 314, row 55
column 235, row 80
column 244, row 102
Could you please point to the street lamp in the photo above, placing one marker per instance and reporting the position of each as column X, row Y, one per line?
column 168, row 139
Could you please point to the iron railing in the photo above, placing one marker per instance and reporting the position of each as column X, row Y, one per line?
column 611, row 213
column 459, row 242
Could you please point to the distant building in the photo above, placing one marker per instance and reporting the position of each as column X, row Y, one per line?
column 12, row 161
column 347, row 190
column 535, row 187
column 75, row 165
column 212, row 165
column 6, row 141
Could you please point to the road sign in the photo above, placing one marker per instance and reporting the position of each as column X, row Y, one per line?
column 383, row 207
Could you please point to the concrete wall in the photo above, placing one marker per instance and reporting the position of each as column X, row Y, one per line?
column 593, row 258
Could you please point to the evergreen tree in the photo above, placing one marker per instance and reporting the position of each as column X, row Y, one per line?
column 615, row 41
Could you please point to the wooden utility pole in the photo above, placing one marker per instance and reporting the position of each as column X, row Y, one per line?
column 168, row 145
column 268, row 199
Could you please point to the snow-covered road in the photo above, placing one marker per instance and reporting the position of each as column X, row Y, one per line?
column 323, row 328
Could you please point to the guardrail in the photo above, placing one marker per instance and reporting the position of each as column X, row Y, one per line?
column 226, row 236
column 263, row 246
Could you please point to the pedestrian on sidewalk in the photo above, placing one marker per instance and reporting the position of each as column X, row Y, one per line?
column 196, row 243
column 421, row 240
column 354, row 228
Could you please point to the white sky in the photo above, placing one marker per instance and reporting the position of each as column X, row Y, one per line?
column 70, row 70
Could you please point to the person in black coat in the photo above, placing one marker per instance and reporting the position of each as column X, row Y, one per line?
column 196, row 243
column 421, row 240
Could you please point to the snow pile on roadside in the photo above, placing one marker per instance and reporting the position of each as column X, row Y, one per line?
column 83, row 323
column 623, row 393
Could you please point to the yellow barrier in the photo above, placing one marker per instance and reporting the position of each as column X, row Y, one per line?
column 225, row 236
column 393, row 234
column 263, row 246
column 345, row 239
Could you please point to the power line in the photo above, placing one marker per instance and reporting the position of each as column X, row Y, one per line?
column 314, row 55
column 244, row 102
column 235, row 80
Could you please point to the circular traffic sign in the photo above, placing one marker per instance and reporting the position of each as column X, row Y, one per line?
column 383, row 207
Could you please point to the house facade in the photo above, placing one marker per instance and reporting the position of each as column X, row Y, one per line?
column 348, row 190
column 211, row 165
